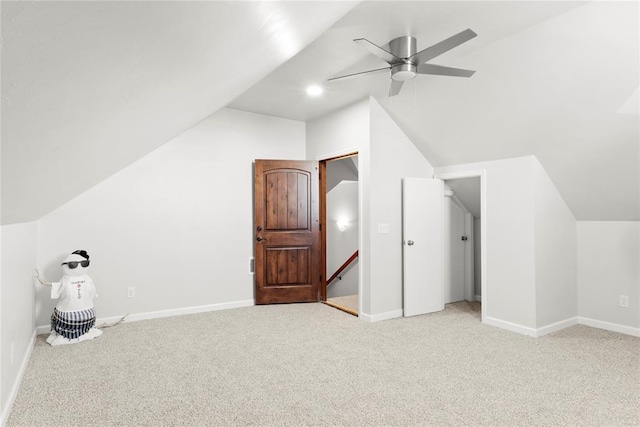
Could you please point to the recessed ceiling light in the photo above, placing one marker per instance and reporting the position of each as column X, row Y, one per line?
column 314, row 90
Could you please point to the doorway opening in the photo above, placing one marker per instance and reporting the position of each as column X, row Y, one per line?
column 461, row 252
column 340, row 231
column 465, row 242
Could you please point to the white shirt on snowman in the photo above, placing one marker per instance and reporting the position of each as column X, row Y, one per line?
column 75, row 293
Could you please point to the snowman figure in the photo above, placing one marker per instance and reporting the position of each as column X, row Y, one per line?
column 73, row 319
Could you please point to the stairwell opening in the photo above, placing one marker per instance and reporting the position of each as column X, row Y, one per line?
column 341, row 232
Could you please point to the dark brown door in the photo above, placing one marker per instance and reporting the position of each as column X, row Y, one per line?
column 287, row 231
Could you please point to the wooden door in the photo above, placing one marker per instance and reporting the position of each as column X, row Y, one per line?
column 422, row 223
column 287, row 231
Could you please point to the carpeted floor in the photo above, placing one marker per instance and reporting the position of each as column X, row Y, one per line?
column 310, row 364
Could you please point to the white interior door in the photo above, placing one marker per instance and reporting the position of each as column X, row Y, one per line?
column 423, row 245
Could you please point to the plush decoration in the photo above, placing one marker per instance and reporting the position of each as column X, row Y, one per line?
column 73, row 320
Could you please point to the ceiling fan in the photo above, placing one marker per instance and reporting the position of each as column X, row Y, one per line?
column 405, row 63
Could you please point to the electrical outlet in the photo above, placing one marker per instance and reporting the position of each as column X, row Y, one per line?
column 131, row 292
column 624, row 301
column 383, row 228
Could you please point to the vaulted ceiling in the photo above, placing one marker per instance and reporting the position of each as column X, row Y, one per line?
column 558, row 80
column 89, row 87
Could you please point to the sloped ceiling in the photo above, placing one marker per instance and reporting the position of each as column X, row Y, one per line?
column 467, row 190
column 90, row 87
column 341, row 170
column 558, row 80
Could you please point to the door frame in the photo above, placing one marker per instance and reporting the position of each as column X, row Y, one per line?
column 322, row 168
column 482, row 173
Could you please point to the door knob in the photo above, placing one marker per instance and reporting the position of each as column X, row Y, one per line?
column 259, row 239
column 410, row 242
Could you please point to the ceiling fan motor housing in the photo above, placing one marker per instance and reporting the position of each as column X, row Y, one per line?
column 403, row 47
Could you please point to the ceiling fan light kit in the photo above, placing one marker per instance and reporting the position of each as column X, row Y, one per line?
column 405, row 63
column 402, row 72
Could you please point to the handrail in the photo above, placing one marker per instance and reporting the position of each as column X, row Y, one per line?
column 342, row 267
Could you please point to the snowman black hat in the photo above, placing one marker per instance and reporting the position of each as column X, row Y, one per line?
column 81, row 252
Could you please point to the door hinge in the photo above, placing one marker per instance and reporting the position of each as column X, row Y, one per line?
column 320, row 227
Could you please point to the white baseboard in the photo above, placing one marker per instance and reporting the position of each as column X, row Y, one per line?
column 614, row 327
column 556, row 326
column 382, row 316
column 513, row 327
column 164, row 313
column 478, row 298
column 16, row 384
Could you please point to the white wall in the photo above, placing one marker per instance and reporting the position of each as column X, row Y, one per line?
column 534, row 276
column 342, row 203
column 177, row 225
column 555, row 240
column 341, row 132
column 609, row 266
column 385, row 156
column 17, row 306
column 393, row 157
column 509, row 295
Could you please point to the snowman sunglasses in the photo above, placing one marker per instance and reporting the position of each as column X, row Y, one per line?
column 74, row 264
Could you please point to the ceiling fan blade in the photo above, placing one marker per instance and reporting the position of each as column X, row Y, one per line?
column 440, row 48
column 360, row 73
column 396, row 85
column 378, row 51
column 439, row 70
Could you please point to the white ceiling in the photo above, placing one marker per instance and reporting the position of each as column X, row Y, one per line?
column 467, row 190
column 89, row 87
column 558, row 80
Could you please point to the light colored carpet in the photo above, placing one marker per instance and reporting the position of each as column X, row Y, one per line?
column 349, row 301
column 310, row 364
